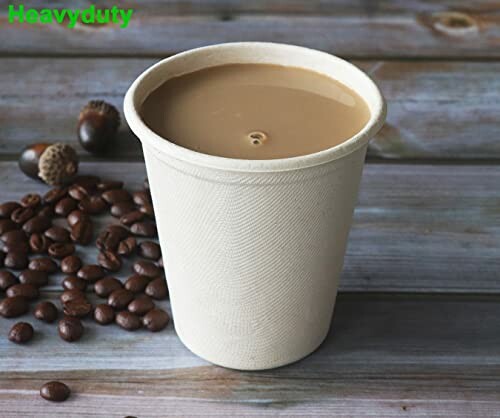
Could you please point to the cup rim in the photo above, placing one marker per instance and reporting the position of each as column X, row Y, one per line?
column 166, row 149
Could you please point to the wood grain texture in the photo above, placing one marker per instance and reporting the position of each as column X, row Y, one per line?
column 385, row 356
column 355, row 29
column 438, row 110
column 417, row 228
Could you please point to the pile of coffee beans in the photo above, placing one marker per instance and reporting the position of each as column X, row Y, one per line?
column 33, row 247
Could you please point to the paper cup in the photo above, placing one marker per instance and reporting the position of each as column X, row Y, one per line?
column 254, row 248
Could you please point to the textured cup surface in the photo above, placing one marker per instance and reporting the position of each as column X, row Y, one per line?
column 253, row 249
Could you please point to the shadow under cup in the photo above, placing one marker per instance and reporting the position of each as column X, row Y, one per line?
column 254, row 248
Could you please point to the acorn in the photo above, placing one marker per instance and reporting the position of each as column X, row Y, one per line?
column 55, row 164
column 97, row 125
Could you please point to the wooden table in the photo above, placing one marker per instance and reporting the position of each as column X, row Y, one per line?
column 417, row 324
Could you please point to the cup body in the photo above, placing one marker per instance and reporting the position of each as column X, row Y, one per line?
column 253, row 248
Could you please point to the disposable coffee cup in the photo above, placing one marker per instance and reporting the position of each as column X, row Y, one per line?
column 253, row 248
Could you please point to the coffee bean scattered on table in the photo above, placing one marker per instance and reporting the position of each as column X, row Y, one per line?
column 146, row 268
column 70, row 329
column 104, row 287
column 27, row 291
column 141, row 305
column 157, row 289
column 55, row 391
column 73, row 282
column 13, row 307
column 31, row 228
column 155, row 320
column 128, row 320
column 21, row 333
column 45, row 311
column 71, row 264
column 104, row 314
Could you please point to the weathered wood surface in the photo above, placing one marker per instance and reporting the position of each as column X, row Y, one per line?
column 385, row 356
column 445, row 110
column 390, row 29
column 417, row 228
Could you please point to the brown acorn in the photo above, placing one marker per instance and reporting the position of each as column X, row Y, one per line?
column 55, row 164
column 97, row 125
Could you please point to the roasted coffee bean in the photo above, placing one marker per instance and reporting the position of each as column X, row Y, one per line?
column 156, row 320
column 14, row 236
column 82, row 232
column 69, row 295
column 141, row 305
column 144, row 229
column 16, row 260
column 76, row 216
column 146, row 268
column 93, row 205
column 31, row 200
column 39, row 243
column 21, row 333
column 22, row 215
column 89, row 181
column 79, row 192
column 145, row 184
column 91, row 273
column 121, row 208
column 55, row 194
column 149, row 249
column 116, row 195
column 137, row 283
column 78, row 308
column 60, row 250
column 45, row 311
column 36, row 224
column 7, row 279
column 7, row 208
column 2, row 258
column 128, row 320
column 57, row 234
column 47, row 211
column 157, row 289
column 36, row 278
column 111, row 237
column 148, row 210
column 70, row 328
column 131, row 217
column 55, row 391
column 73, row 282
column 104, row 314
column 65, row 206
column 109, row 260
column 120, row 298
column 15, row 247
column 27, row 291
column 71, row 264
column 104, row 287
column 118, row 230
column 127, row 246
column 7, row 225
column 141, row 198
column 109, row 185
column 160, row 263
column 45, row 264
column 13, row 307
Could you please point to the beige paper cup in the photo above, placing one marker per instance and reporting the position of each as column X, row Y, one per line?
column 254, row 249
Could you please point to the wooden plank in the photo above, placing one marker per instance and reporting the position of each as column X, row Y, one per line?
column 417, row 228
column 445, row 110
column 385, row 356
column 354, row 29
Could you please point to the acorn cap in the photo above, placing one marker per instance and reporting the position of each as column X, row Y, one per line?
column 58, row 164
column 103, row 108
